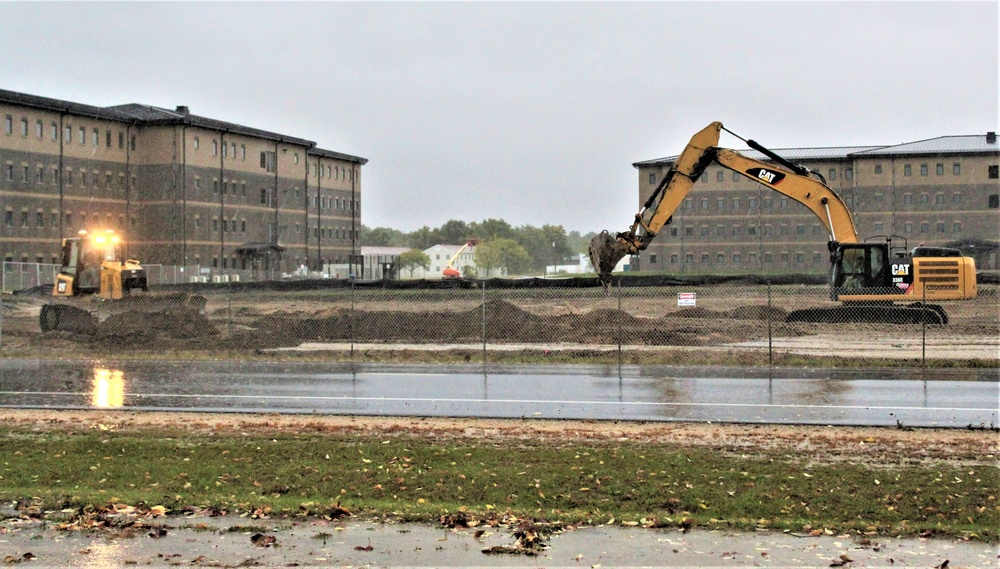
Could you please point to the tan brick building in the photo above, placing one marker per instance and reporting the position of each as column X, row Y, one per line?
column 184, row 190
column 944, row 192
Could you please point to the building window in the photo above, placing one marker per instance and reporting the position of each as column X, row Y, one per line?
column 720, row 259
column 956, row 169
column 907, row 199
column 751, row 203
column 994, row 201
column 243, row 152
column 800, row 257
column 833, row 174
column 83, row 136
column 907, row 170
column 784, row 257
column 652, row 259
column 39, row 130
column 704, row 258
column 704, row 204
column 849, row 173
column 752, row 230
column 736, row 204
column 736, row 230
column 121, row 140
column 674, row 258
column 939, row 169
column 940, row 227
column 720, row 176
column 107, row 138
column 8, row 125
column 878, row 198
column 720, row 204
column 737, row 259
column 8, row 218
column 939, row 199
column 215, row 148
column 800, row 229
column 956, row 227
column 736, row 176
column 925, row 227
column 95, row 137
column 132, row 142
column 24, row 127
column 688, row 231
column 752, row 258
column 924, row 199
column 68, row 134
column 956, row 198
column 878, row 226
column 784, row 230
column 54, row 132
column 720, row 231
column 923, row 169
column 783, row 203
column 197, row 143
column 878, row 168
column 689, row 258
column 704, row 231
column 673, row 232
column 994, row 172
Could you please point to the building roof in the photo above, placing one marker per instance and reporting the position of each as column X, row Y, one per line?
column 139, row 114
column 965, row 144
column 367, row 250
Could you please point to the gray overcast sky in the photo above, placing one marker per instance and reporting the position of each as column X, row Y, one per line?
column 530, row 112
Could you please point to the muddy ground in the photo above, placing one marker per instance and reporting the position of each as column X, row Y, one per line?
column 264, row 320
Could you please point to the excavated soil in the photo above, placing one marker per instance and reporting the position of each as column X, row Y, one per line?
column 255, row 322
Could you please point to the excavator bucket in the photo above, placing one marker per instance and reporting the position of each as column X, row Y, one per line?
column 605, row 252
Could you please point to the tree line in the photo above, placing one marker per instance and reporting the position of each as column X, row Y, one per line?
column 519, row 250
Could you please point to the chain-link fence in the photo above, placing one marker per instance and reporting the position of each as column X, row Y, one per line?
column 492, row 321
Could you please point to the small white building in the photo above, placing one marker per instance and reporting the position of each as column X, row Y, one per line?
column 440, row 256
column 583, row 266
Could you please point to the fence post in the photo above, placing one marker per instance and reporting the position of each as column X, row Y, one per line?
column 350, row 322
column 483, row 321
column 770, row 353
column 923, row 328
column 618, row 317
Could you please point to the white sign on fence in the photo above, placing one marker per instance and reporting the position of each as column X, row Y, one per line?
column 687, row 299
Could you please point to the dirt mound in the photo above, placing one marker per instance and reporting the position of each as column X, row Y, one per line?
column 695, row 312
column 133, row 327
column 759, row 312
column 607, row 317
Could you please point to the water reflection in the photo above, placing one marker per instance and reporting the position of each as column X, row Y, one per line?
column 108, row 388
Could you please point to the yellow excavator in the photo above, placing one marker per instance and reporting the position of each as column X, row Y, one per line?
column 869, row 278
column 93, row 267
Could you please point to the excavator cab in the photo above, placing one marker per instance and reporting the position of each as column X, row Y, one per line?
column 861, row 268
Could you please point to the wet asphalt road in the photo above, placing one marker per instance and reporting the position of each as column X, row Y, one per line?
column 936, row 398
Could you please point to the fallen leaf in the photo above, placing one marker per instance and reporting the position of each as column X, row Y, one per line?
column 363, row 547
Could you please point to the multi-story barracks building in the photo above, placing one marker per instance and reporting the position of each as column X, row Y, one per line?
column 943, row 191
column 182, row 190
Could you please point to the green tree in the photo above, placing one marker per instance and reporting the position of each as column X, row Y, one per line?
column 501, row 254
column 410, row 260
column 382, row 237
column 424, row 238
column 454, row 232
column 492, row 229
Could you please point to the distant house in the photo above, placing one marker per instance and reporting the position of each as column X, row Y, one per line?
column 440, row 256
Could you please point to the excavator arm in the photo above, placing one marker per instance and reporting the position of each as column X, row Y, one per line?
column 787, row 178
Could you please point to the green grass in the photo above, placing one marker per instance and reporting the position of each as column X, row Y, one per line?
column 414, row 478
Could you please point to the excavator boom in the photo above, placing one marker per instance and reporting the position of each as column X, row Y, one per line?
column 861, row 271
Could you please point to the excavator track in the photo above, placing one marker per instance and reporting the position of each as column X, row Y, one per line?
column 916, row 313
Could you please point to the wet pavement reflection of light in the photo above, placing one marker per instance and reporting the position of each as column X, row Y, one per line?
column 932, row 398
column 109, row 388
